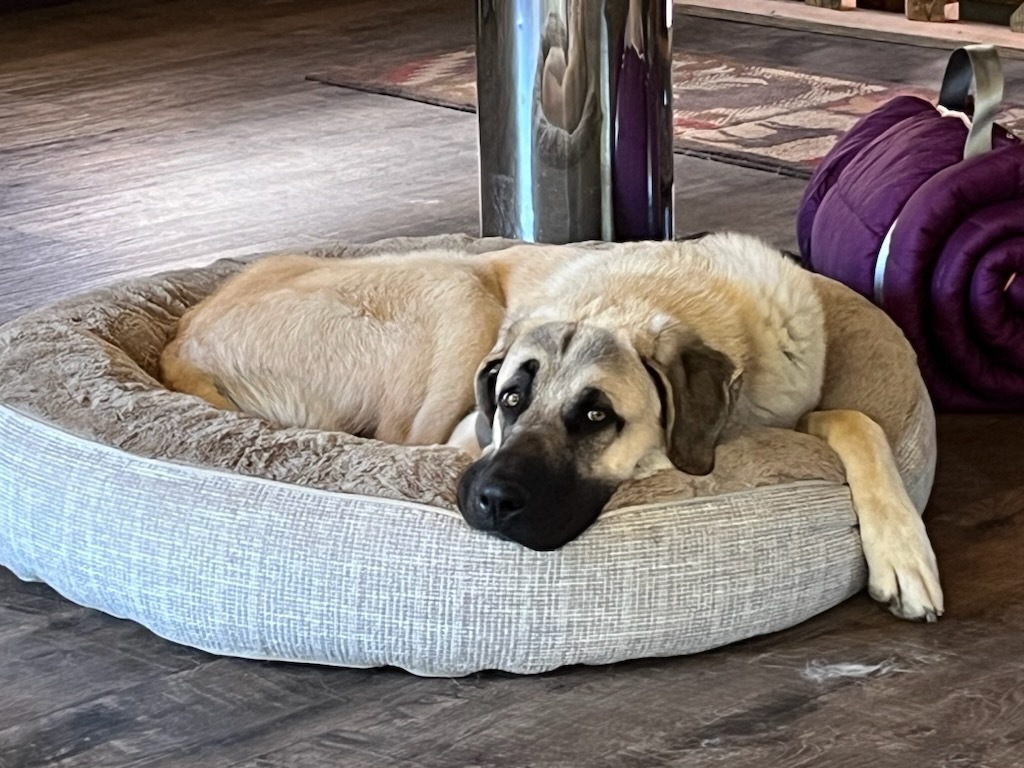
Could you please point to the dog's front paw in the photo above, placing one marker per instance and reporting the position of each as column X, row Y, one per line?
column 902, row 572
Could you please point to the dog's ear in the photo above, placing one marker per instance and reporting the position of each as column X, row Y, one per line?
column 698, row 386
column 486, row 398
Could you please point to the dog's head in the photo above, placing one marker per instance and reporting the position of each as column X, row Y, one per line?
column 567, row 411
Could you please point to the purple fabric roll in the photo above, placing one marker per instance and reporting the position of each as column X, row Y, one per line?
column 958, row 243
column 950, row 279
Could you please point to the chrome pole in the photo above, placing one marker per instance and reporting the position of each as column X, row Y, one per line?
column 575, row 119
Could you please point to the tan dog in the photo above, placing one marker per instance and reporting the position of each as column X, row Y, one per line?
column 591, row 365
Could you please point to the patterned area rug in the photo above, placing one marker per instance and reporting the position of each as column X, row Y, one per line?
column 755, row 116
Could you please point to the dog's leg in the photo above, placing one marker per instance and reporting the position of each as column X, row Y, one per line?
column 464, row 436
column 901, row 565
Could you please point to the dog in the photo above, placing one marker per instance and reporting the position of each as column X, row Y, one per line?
column 564, row 370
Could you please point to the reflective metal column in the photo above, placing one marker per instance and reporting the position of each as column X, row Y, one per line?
column 575, row 119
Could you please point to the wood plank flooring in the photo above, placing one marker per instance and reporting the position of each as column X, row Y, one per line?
column 141, row 136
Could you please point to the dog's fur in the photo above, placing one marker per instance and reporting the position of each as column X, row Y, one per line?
column 578, row 367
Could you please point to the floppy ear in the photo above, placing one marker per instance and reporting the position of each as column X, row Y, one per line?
column 486, row 399
column 701, row 385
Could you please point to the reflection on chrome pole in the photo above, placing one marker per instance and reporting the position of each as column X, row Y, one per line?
column 575, row 119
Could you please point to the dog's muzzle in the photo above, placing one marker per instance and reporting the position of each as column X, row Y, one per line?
column 522, row 493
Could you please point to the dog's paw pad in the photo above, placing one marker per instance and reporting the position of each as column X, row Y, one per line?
column 910, row 593
column 927, row 614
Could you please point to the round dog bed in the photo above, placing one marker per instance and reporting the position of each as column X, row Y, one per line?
column 218, row 531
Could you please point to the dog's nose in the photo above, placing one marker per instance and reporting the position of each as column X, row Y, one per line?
column 498, row 501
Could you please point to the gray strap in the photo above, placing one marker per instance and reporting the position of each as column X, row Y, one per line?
column 978, row 64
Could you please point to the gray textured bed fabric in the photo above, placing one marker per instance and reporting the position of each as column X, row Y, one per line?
column 217, row 531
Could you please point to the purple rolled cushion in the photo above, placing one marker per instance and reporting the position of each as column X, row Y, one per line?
column 952, row 281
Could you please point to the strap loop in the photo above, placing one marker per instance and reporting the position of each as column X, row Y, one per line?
column 978, row 64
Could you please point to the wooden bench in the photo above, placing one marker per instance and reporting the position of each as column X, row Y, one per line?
column 1003, row 12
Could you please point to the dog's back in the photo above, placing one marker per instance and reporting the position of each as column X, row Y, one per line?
column 302, row 341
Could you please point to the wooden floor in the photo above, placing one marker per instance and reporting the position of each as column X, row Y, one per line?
column 136, row 136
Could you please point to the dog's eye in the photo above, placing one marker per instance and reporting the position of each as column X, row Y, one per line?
column 591, row 414
column 511, row 399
